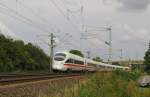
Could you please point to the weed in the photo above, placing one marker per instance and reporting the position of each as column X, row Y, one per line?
column 107, row 84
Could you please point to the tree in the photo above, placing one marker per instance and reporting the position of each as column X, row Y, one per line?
column 98, row 59
column 147, row 60
column 77, row 52
column 16, row 55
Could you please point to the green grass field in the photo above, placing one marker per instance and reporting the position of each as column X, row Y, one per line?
column 107, row 84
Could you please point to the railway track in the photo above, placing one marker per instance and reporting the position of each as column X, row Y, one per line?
column 21, row 75
column 14, row 79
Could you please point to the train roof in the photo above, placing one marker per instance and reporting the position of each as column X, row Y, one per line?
column 72, row 56
column 90, row 60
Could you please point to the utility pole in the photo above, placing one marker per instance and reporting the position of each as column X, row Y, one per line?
column 51, row 45
column 110, row 44
column 88, row 54
column 121, row 52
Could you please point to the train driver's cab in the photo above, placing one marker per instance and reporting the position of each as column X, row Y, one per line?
column 59, row 60
column 59, row 57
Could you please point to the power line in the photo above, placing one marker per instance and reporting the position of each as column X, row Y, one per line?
column 26, row 19
column 53, row 2
column 69, row 11
column 68, row 19
column 23, row 17
column 109, row 43
column 64, row 38
column 64, row 14
column 35, row 14
column 21, row 20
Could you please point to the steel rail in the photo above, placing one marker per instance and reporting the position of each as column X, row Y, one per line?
column 21, row 75
column 23, row 79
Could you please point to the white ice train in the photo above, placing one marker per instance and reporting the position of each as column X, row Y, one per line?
column 65, row 61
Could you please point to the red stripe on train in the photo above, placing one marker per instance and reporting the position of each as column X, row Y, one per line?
column 76, row 65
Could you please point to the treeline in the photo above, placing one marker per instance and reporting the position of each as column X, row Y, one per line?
column 147, row 60
column 16, row 55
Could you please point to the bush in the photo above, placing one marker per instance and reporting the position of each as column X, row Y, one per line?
column 16, row 56
column 109, row 84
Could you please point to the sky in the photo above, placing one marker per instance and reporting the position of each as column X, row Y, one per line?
column 80, row 24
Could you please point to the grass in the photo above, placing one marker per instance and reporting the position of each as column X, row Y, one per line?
column 106, row 84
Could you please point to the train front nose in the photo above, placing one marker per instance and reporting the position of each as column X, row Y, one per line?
column 58, row 66
column 59, row 60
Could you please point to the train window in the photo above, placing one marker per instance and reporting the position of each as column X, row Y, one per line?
column 60, row 54
column 101, row 66
column 69, row 61
column 59, row 58
column 78, row 62
column 91, row 64
column 75, row 61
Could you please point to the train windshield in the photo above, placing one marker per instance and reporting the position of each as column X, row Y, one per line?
column 59, row 57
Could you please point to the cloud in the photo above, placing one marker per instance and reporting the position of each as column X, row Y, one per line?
column 133, row 5
column 137, row 35
column 95, row 13
column 129, row 5
column 7, row 32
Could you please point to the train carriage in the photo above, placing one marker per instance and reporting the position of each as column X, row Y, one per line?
column 65, row 61
column 91, row 65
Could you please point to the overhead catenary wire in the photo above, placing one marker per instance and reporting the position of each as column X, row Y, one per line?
column 81, row 12
column 68, row 19
column 30, row 22
column 41, row 28
column 108, row 43
column 37, row 15
column 64, row 15
column 83, row 24
column 17, row 18
column 69, row 11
